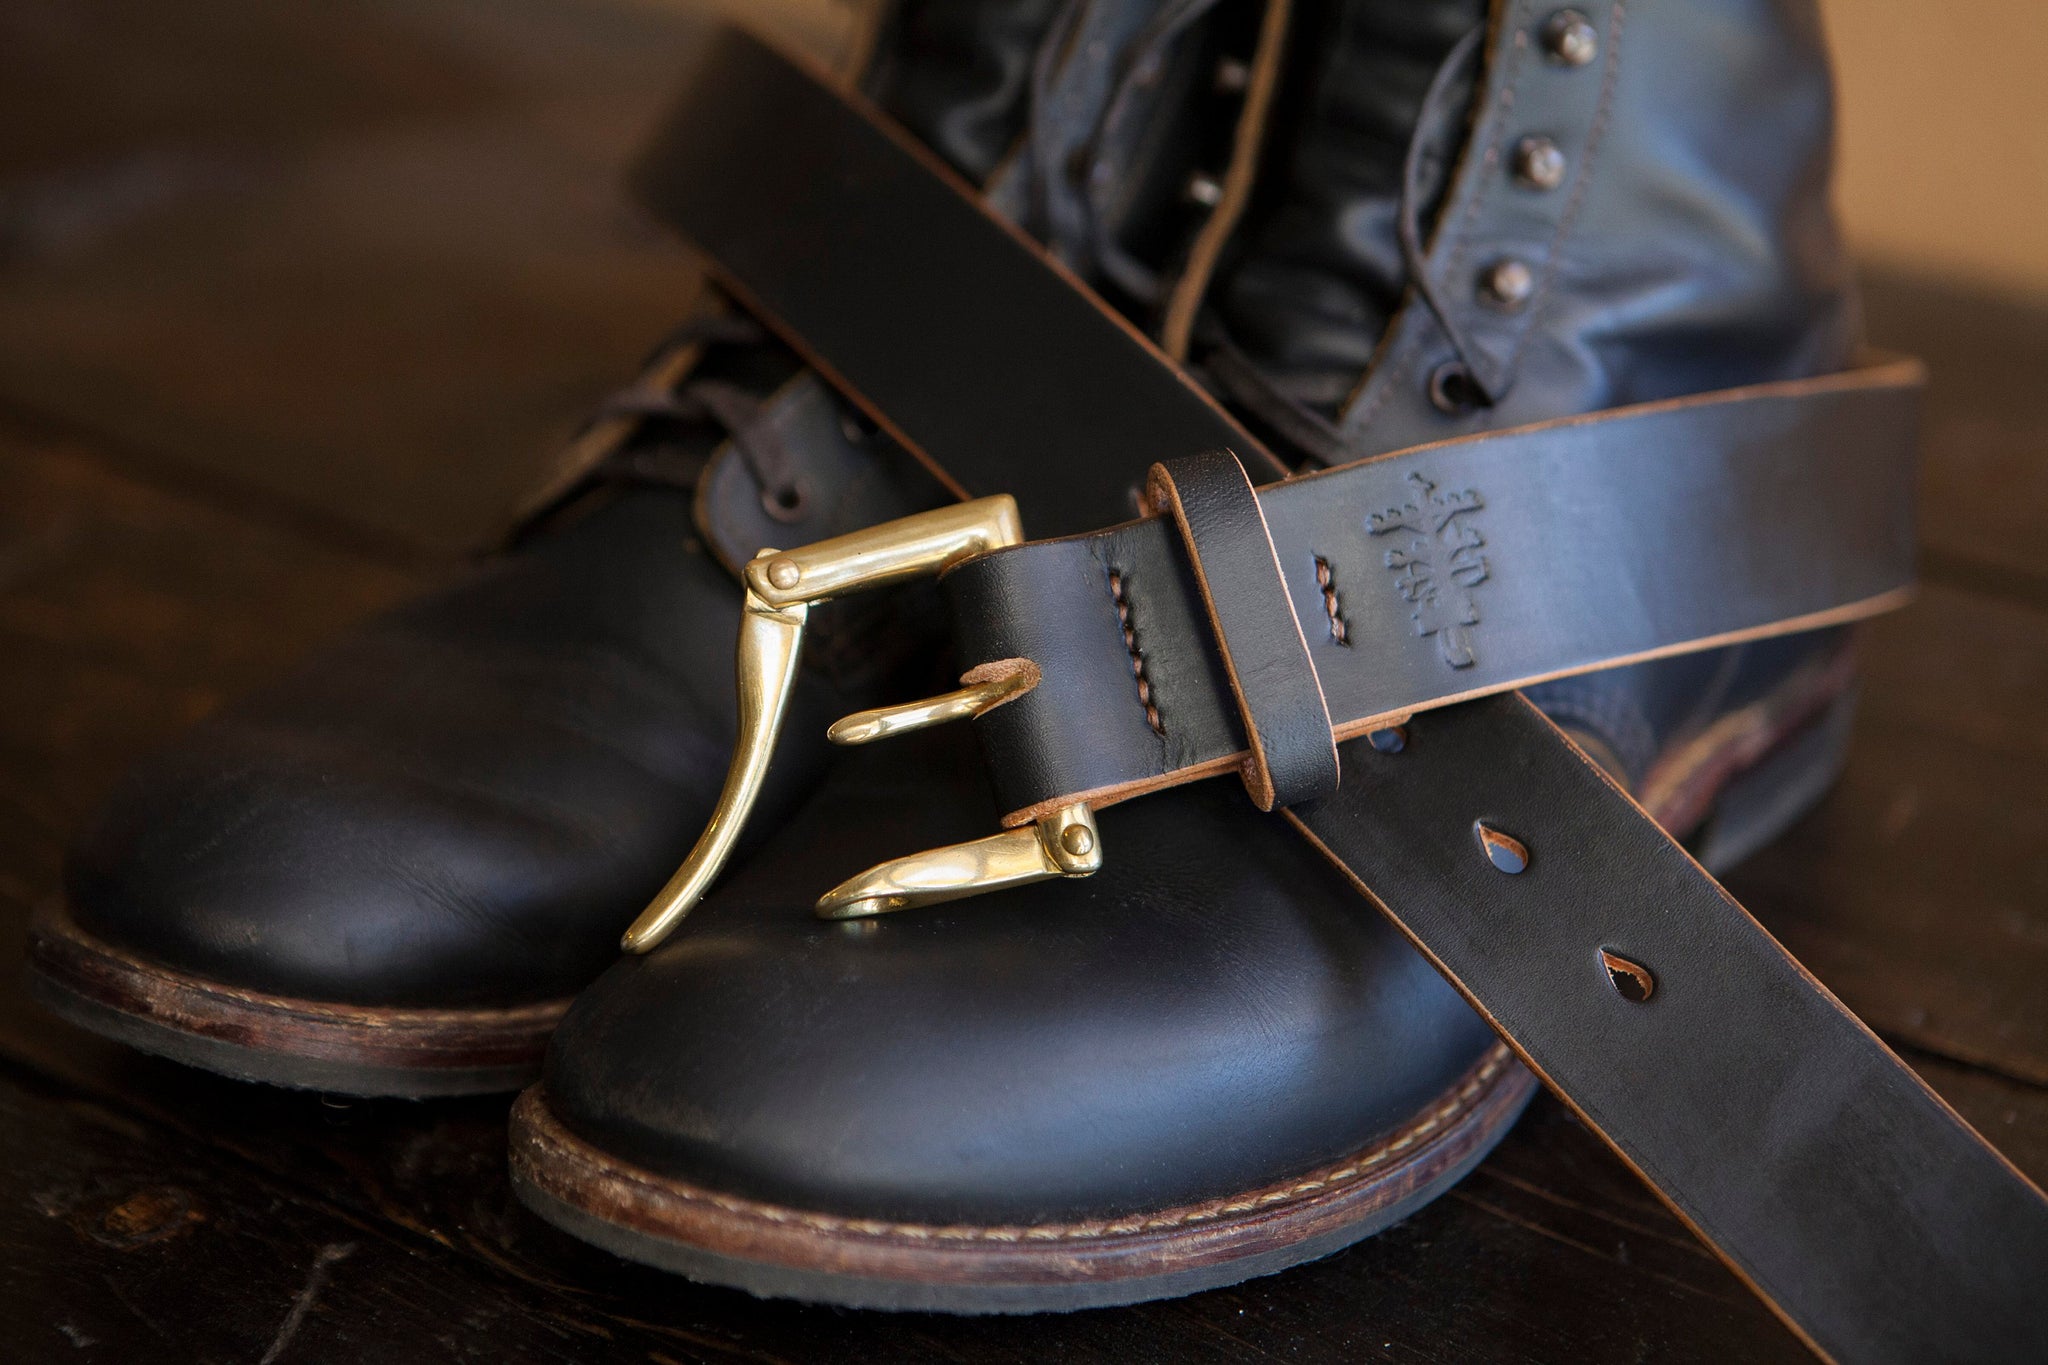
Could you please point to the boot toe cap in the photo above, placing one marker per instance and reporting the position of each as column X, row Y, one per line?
column 1213, row 1011
column 463, row 847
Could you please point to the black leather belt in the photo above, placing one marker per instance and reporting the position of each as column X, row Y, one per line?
column 1458, row 569
column 1859, row 1206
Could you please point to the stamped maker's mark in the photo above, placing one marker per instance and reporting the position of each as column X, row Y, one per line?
column 1440, row 565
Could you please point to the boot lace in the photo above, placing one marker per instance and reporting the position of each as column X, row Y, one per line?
column 624, row 421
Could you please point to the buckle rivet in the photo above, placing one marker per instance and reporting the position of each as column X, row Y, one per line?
column 784, row 574
column 1078, row 840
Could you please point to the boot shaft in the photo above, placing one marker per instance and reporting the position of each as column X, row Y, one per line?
column 1641, row 210
column 1371, row 224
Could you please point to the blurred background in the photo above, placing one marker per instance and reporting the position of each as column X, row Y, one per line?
column 1944, row 138
column 326, row 253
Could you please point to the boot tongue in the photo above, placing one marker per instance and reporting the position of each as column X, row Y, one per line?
column 1316, row 273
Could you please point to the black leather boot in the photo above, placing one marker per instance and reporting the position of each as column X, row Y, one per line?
column 1205, row 1061
column 390, row 872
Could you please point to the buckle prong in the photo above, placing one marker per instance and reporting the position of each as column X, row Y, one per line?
column 782, row 586
column 1063, row 844
column 979, row 695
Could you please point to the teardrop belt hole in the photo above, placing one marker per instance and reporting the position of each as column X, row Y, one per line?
column 1632, row 981
column 1507, row 853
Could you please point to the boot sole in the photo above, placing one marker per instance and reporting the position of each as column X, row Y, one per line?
column 777, row 1252
column 279, row 1040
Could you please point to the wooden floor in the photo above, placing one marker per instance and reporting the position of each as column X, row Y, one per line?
column 293, row 298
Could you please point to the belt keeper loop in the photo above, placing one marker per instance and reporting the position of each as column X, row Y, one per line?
column 1292, row 745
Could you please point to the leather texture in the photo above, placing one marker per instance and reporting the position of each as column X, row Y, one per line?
column 1102, row 1059
column 1793, row 1140
column 1291, row 752
column 1698, row 312
column 1690, row 246
column 1083, row 127
column 1211, row 1012
column 1042, row 187
column 1814, row 1161
column 460, row 803
column 842, row 475
column 1460, row 568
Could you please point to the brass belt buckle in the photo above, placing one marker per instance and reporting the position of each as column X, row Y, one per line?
column 782, row 586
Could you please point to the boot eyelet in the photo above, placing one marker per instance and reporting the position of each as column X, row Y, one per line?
column 1451, row 389
column 785, row 504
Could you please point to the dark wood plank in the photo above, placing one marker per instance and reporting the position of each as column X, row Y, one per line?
column 94, row 82
column 123, row 1242
column 1917, row 889
column 1551, row 1251
column 369, row 255
column 1984, row 484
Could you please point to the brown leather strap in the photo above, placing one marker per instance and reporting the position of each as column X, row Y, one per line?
column 1875, row 1222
